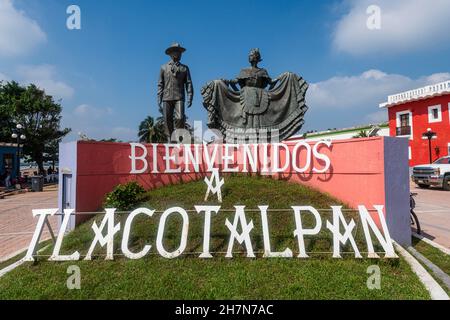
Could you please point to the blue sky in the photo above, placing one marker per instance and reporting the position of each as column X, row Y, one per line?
column 106, row 73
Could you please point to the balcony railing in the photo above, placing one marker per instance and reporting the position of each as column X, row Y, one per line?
column 404, row 131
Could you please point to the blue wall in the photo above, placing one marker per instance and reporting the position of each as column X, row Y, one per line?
column 4, row 150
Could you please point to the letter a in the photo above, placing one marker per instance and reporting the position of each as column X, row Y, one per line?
column 244, row 236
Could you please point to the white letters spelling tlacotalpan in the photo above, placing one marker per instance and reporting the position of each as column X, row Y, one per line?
column 341, row 232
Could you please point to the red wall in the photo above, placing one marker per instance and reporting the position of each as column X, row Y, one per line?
column 356, row 175
column 420, row 124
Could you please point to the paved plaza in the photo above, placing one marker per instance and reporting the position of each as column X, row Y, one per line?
column 16, row 220
column 433, row 211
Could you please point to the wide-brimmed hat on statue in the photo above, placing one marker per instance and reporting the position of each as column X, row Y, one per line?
column 175, row 47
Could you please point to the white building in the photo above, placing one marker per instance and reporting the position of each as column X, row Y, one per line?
column 381, row 129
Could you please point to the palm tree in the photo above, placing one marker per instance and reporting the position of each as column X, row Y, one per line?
column 151, row 131
column 362, row 134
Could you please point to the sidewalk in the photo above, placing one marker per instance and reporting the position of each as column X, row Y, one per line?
column 433, row 211
column 16, row 219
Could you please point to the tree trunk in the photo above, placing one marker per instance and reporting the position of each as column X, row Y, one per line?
column 40, row 164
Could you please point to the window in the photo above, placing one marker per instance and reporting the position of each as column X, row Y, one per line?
column 445, row 160
column 404, row 124
column 404, row 120
column 434, row 114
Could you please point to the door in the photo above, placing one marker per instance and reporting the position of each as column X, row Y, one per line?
column 67, row 199
column 67, row 192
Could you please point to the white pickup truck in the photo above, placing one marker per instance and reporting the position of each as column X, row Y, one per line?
column 435, row 174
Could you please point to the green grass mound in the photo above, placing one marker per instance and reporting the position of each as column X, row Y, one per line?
column 188, row 277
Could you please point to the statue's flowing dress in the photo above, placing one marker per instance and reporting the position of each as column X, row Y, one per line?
column 278, row 111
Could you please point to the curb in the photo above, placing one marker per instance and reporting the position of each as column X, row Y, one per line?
column 435, row 290
column 12, row 255
column 16, row 264
column 11, row 267
column 435, row 269
column 432, row 243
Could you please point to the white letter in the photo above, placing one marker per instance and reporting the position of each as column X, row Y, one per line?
column 277, row 158
column 250, row 157
column 374, row 281
column 266, row 169
column 107, row 240
column 189, row 157
column 341, row 238
column 244, row 236
column 321, row 156
column 386, row 242
column 184, row 233
column 43, row 214
column 74, row 281
column 56, row 256
column 374, row 20
column 308, row 156
column 300, row 232
column 172, row 156
column 210, row 159
column 74, row 20
column 155, row 158
column 126, row 234
column 229, row 158
column 134, row 158
column 267, row 251
column 207, row 229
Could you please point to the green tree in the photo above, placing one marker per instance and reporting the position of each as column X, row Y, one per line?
column 151, row 131
column 40, row 116
column 10, row 93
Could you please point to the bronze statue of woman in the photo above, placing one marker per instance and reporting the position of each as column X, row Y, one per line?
column 259, row 104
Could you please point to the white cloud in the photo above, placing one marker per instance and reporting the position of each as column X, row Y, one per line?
column 348, row 100
column 124, row 133
column 85, row 110
column 366, row 90
column 405, row 25
column 44, row 76
column 19, row 34
column 377, row 117
column 97, row 123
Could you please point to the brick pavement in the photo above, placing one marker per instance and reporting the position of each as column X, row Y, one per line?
column 16, row 220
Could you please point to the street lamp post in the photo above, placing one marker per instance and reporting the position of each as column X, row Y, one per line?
column 429, row 135
column 18, row 136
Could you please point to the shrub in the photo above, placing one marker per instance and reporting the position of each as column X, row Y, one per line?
column 125, row 196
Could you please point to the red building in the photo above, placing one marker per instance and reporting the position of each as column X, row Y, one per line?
column 413, row 113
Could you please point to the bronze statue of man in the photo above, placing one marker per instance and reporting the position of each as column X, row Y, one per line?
column 174, row 89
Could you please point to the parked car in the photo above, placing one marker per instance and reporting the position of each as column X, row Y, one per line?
column 436, row 174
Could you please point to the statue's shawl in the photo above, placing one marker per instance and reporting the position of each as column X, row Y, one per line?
column 252, row 73
column 284, row 112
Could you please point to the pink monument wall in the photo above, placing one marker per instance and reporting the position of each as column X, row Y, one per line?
column 366, row 171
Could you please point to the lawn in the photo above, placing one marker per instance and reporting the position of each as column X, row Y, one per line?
column 188, row 277
column 433, row 254
column 436, row 256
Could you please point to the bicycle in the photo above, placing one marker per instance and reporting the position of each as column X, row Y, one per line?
column 414, row 219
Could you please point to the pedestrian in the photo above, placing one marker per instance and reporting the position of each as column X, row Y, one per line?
column 8, row 179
